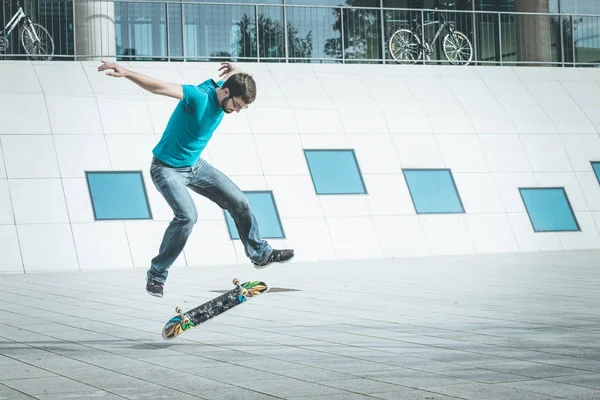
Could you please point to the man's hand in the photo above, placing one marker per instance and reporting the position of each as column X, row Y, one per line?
column 119, row 71
column 227, row 69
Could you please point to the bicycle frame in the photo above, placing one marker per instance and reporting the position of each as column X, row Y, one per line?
column 441, row 21
column 14, row 21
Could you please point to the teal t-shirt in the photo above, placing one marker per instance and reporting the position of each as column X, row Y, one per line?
column 191, row 125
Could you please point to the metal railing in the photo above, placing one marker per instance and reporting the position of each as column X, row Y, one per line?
column 190, row 31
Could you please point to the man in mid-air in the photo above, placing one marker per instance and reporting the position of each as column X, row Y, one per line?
column 177, row 166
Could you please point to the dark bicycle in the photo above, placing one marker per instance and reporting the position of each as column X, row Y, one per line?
column 405, row 44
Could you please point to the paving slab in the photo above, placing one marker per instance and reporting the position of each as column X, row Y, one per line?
column 494, row 326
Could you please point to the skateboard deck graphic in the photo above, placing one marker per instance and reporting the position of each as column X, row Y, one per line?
column 185, row 321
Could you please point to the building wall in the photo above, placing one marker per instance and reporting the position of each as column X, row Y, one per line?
column 495, row 129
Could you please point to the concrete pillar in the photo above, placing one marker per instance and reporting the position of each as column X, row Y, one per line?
column 533, row 31
column 94, row 29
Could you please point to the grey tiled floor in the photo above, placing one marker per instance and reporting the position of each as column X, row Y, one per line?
column 510, row 326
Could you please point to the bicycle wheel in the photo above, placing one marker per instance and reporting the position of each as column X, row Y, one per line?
column 457, row 48
column 41, row 49
column 405, row 46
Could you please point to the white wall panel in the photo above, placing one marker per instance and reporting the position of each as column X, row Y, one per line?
column 491, row 233
column 388, row 195
column 121, row 115
column 103, row 244
column 296, row 197
column 161, row 109
column 47, row 247
column 76, row 115
column 2, row 162
column 505, row 153
column 6, row 209
column 450, row 125
column 31, row 156
column 496, row 129
column 462, row 153
column 10, row 251
column 23, row 78
column 588, row 182
column 509, row 91
column 235, row 155
column 407, row 123
column 90, row 150
column 144, row 238
column 586, row 93
column 401, row 236
column 548, row 92
column 38, row 201
column 354, row 237
column 429, row 89
column 447, row 234
column 63, row 78
column 281, row 154
column 581, row 150
column 342, row 85
column 15, row 121
column 345, row 205
column 376, row 153
column 130, row 152
column 315, row 246
column 210, row 244
column 534, row 74
column 546, row 153
column 275, row 120
column 317, row 121
column 478, row 193
column 372, row 122
column 299, row 85
column 470, row 90
column 79, row 203
column 418, row 151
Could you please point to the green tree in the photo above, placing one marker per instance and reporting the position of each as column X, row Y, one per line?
column 271, row 39
column 361, row 33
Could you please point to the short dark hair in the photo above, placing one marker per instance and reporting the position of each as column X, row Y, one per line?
column 241, row 85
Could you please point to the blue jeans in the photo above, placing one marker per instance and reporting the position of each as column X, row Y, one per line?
column 206, row 180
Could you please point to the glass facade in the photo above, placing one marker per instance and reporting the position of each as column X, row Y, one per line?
column 329, row 30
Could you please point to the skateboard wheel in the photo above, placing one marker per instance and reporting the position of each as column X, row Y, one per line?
column 236, row 281
column 244, row 292
column 178, row 310
column 185, row 320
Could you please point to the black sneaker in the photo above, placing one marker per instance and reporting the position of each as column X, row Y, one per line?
column 279, row 256
column 154, row 288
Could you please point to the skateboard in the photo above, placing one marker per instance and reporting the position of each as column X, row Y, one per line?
column 185, row 321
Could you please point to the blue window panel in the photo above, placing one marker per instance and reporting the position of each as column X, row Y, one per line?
column 264, row 209
column 549, row 209
column 433, row 191
column 118, row 195
column 335, row 172
column 596, row 167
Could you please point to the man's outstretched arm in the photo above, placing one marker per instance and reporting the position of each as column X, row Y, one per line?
column 150, row 84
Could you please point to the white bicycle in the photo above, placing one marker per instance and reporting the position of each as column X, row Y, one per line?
column 35, row 39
